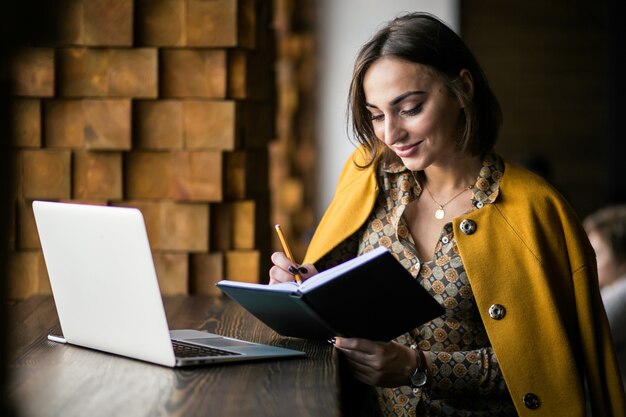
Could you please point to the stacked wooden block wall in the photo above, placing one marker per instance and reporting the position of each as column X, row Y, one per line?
column 293, row 155
column 164, row 105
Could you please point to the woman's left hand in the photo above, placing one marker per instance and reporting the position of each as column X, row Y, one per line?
column 381, row 364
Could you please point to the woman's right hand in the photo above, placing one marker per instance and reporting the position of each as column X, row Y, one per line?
column 284, row 269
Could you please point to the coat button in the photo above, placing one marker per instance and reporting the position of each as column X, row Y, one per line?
column 468, row 227
column 497, row 311
column 531, row 401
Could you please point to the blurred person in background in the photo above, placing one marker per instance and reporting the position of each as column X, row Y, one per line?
column 606, row 229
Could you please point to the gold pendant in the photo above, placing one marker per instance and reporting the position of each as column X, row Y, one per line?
column 439, row 213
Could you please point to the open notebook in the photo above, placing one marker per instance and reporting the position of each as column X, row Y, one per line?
column 371, row 296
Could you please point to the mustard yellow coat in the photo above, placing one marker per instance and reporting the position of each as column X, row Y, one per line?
column 529, row 254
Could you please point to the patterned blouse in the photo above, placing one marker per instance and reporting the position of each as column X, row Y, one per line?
column 466, row 378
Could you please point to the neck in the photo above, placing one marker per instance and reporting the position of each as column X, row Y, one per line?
column 446, row 178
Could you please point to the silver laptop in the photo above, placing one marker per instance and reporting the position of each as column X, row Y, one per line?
column 107, row 295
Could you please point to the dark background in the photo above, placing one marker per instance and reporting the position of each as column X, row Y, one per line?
column 558, row 70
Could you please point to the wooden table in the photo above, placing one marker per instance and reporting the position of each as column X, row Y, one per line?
column 63, row 380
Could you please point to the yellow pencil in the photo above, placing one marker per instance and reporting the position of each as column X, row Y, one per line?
column 283, row 242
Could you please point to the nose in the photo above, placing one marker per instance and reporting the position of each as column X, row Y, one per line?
column 394, row 131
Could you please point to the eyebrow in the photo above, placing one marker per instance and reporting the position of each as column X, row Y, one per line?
column 399, row 98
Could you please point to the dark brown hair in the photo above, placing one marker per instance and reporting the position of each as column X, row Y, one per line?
column 422, row 38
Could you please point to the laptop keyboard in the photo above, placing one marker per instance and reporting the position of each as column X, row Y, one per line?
column 185, row 350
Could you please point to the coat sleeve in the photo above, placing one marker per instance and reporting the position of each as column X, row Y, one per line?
column 352, row 204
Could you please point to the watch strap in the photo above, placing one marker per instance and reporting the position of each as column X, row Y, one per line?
column 419, row 378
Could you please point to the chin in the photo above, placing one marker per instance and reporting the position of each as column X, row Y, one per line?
column 413, row 164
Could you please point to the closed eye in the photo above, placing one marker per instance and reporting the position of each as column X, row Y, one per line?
column 377, row 117
column 412, row 111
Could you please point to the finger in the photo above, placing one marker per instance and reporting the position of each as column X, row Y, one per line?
column 357, row 344
column 283, row 269
column 361, row 369
column 352, row 358
column 354, row 353
column 281, row 260
column 277, row 275
column 362, row 372
column 357, row 357
column 307, row 270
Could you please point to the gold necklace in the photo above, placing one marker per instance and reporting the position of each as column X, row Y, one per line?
column 440, row 213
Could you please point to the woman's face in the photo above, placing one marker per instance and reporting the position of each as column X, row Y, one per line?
column 412, row 112
column 608, row 269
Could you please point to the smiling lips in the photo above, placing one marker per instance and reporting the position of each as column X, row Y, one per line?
column 406, row 150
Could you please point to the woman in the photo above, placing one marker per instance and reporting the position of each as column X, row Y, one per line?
column 606, row 229
column 523, row 332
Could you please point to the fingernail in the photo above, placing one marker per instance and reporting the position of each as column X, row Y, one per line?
column 332, row 340
column 292, row 269
column 303, row 270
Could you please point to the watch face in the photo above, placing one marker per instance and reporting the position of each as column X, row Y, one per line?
column 419, row 379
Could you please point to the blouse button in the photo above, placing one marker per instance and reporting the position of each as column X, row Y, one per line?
column 445, row 240
column 497, row 311
column 468, row 227
column 531, row 401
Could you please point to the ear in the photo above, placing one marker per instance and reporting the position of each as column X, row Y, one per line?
column 467, row 81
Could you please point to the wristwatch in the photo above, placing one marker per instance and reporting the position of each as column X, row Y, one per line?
column 420, row 377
